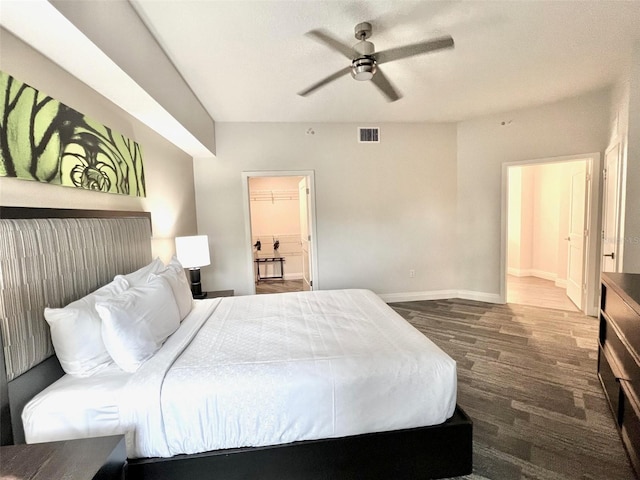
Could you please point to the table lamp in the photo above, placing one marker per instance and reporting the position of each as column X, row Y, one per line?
column 193, row 253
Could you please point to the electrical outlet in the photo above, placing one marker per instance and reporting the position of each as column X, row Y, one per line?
column 412, row 273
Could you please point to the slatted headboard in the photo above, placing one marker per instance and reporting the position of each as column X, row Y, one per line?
column 49, row 258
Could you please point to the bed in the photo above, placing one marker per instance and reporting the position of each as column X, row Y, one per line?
column 317, row 347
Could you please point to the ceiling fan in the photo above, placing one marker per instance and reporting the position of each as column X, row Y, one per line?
column 365, row 60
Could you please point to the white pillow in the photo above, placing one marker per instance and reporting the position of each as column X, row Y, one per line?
column 140, row 276
column 136, row 322
column 174, row 275
column 76, row 332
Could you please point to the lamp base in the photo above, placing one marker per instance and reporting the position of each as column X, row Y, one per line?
column 196, row 286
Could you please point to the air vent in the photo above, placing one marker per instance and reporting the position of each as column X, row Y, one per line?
column 368, row 135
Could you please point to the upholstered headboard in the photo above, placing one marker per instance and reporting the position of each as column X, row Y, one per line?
column 48, row 258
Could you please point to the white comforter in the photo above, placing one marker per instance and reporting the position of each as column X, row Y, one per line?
column 272, row 369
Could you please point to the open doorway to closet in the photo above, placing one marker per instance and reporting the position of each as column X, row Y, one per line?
column 280, row 212
column 549, row 238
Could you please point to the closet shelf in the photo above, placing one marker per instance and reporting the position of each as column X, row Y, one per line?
column 273, row 195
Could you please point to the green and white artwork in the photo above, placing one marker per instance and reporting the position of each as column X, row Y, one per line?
column 43, row 139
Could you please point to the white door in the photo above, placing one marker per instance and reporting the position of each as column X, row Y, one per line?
column 305, row 234
column 610, row 201
column 577, row 238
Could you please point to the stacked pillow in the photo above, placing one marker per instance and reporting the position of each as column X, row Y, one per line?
column 174, row 275
column 124, row 322
column 76, row 332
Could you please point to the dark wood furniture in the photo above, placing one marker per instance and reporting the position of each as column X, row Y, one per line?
column 100, row 458
column 438, row 451
column 619, row 356
column 220, row 293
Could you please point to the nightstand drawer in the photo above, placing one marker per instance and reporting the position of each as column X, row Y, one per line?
column 630, row 425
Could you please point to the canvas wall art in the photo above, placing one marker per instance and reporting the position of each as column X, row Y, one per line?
column 43, row 139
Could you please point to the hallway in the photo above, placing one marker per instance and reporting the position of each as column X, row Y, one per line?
column 537, row 292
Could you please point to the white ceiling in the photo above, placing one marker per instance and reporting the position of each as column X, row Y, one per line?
column 246, row 60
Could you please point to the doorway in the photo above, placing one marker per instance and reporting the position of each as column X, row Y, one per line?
column 280, row 224
column 549, row 233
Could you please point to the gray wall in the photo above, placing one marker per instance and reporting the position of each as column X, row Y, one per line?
column 631, row 233
column 570, row 127
column 427, row 198
column 382, row 209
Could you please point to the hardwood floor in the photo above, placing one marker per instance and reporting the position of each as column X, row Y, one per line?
column 538, row 292
column 278, row 286
column 527, row 377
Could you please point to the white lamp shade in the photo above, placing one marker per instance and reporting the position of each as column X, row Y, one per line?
column 193, row 252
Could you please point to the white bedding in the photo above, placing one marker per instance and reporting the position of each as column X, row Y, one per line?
column 272, row 369
column 75, row 407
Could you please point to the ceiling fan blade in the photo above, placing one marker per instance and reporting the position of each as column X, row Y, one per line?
column 415, row 49
column 324, row 81
column 324, row 37
column 382, row 82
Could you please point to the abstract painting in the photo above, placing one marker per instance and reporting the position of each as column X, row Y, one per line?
column 43, row 139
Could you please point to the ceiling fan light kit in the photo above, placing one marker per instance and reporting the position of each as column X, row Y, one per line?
column 365, row 60
column 363, row 68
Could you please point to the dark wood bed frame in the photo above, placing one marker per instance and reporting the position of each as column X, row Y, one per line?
column 438, row 451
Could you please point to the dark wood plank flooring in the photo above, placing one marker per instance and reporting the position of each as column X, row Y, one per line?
column 527, row 377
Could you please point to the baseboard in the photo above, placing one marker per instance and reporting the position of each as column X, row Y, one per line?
column 418, row 296
column 516, row 272
column 293, row 276
column 544, row 275
column 480, row 296
column 561, row 282
column 532, row 272
column 441, row 295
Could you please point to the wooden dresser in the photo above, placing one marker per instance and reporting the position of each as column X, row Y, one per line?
column 619, row 356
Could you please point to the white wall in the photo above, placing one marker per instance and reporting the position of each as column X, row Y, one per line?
column 382, row 209
column 624, row 128
column 168, row 171
column 631, row 232
column 547, row 206
column 569, row 127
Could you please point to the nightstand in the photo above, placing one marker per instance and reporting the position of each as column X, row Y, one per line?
column 99, row 458
column 220, row 293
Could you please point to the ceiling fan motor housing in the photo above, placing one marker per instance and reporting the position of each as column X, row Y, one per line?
column 363, row 67
column 363, row 48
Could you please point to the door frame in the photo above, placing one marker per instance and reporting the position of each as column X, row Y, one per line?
column 592, row 256
column 313, row 245
column 618, row 207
